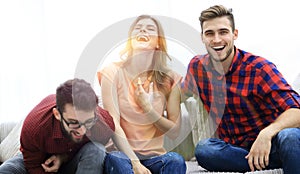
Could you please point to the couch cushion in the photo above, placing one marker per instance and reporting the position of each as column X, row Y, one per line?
column 11, row 143
column 5, row 128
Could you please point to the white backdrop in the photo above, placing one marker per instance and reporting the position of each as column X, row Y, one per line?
column 41, row 40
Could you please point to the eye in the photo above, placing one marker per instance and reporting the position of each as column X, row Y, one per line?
column 137, row 28
column 224, row 32
column 209, row 34
column 151, row 28
column 90, row 121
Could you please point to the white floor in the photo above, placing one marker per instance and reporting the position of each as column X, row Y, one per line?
column 194, row 168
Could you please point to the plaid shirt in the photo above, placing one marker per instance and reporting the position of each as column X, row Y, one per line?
column 41, row 135
column 250, row 96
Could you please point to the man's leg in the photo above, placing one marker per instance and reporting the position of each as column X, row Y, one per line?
column 287, row 148
column 169, row 163
column 117, row 163
column 89, row 160
column 215, row 155
column 13, row 165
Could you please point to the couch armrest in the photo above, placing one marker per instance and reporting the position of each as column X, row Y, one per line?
column 11, row 143
column 5, row 128
column 202, row 125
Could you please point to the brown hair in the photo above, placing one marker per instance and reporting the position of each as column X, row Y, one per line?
column 78, row 93
column 215, row 12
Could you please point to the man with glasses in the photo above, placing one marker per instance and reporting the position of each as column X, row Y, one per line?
column 64, row 133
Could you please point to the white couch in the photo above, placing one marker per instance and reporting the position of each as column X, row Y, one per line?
column 9, row 139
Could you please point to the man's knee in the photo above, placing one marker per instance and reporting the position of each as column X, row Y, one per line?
column 94, row 150
column 289, row 138
column 13, row 165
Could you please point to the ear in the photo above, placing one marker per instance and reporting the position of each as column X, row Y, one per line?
column 235, row 34
column 201, row 34
column 56, row 114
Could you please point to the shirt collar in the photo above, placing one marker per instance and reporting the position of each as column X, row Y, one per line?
column 236, row 61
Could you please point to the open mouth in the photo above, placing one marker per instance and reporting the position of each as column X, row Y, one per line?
column 76, row 135
column 142, row 38
column 218, row 48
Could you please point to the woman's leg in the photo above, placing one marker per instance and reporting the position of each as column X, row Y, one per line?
column 117, row 162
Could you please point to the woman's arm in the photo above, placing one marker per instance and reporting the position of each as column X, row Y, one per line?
column 110, row 103
column 170, row 124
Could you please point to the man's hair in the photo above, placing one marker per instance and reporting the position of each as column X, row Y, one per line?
column 215, row 12
column 78, row 93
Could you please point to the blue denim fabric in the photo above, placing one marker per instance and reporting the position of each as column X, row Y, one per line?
column 13, row 165
column 169, row 163
column 216, row 155
column 89, row 160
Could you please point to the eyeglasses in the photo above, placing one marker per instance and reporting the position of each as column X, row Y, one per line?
column 76, row 125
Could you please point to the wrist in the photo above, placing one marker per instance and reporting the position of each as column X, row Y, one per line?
column 135, row 162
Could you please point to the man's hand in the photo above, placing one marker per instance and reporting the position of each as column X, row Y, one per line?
column 53, row 163
column 138, row 168
column 258, row 156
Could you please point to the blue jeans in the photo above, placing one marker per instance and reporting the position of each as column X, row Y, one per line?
column 216, row 155
column 88, row 160
column 169, row 163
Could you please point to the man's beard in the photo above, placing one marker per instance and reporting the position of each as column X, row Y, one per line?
column 221, row 60
column 66, row 133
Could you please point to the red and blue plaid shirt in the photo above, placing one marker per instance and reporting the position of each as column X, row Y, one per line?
column 250, row 96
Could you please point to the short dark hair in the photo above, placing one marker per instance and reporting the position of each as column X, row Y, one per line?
column 215, row 12
column 78, row 93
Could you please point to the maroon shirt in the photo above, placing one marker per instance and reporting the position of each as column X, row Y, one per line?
column 41, row 135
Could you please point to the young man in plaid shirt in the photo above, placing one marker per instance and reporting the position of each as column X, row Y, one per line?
column 256, row 110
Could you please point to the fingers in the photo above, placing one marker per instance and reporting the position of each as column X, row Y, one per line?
column 50, row 164
column 50, row 160
column 257, row 162
column 250, row 162
column 151, row 88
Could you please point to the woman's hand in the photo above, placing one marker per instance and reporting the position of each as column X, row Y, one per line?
column 138, row 168
column 144, row 99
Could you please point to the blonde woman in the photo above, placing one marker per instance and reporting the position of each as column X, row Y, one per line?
column 143, row 96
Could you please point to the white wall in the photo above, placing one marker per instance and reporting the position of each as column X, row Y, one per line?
column 42, row 40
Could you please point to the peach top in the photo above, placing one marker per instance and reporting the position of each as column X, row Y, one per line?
column 144, row 138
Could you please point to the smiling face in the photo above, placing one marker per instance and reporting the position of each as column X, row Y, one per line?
column 72, row 117
column 218, row 37
column 144, row 35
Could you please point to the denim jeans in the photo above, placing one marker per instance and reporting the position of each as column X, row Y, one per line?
column 88, row 160
column 216, row 155
column 169, row 163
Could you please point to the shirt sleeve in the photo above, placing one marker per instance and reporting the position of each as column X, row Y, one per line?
column 32, row 153
column 109, row 72
column 189, row 84
column 104, row 128
column 31, row 138
column 275, row 89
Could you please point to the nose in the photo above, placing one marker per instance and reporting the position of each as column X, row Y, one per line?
column 81, row 130
column 217, row 38
column 142, row 29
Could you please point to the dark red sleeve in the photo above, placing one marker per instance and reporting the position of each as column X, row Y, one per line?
column 104, row 128
column 32, row 138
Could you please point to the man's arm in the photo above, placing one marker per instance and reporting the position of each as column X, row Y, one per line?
column 258, row 156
